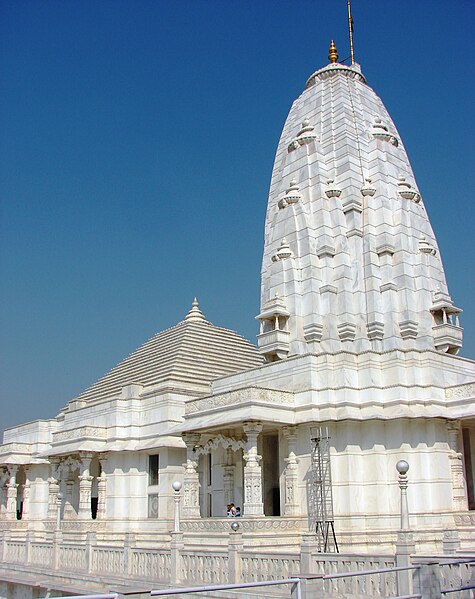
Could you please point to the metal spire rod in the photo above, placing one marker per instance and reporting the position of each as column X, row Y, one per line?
column 350, row 27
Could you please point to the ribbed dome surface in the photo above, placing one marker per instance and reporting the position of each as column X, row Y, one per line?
column 349, row 249
column 192, row 353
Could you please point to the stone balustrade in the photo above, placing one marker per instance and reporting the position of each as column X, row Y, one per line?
column 127, row 560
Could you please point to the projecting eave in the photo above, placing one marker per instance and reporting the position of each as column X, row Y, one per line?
column 323, row 403
column 18, row 454
column 115, row 445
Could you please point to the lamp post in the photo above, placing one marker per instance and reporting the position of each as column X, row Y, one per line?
column 177, row 497
column 234, row 549
column 402, row 467
column 405, row 543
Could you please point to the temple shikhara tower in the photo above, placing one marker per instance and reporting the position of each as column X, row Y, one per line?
column 356, row 369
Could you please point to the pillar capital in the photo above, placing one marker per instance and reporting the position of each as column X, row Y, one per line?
column 191, row 439
column 290, row 432
column 252, row 427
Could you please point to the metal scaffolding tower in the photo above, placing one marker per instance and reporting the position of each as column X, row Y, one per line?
column 322, row 499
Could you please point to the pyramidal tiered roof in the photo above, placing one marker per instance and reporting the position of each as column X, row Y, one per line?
column 350, row 252
column 187, row 356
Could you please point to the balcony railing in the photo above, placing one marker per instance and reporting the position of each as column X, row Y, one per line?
column 275, row 341
column 447, row 338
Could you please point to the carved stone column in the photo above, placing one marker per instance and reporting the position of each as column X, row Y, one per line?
column 228, row 477
column 291, row 503
column 253, row 505
column 12, row 487
column 25, row 514
column 191, row 485
column 459, row 494
column 4, row 476
column 85, row 487
column 53, row 489
column 69, row 511
column 101, row 489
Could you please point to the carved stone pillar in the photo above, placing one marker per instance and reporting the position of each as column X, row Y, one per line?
column 459, row 494
column 25, row 514
column 101, row 489
column 253, row 505
column 291, row 503
column 12, row 487
column 228, row 477
column 191, row 485
column 53, row 490
column 85, row 487
column 69, row 511
column 4, row 476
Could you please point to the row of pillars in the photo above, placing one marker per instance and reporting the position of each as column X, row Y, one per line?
column 253, row 505
column 9, row 512
column 55, row 497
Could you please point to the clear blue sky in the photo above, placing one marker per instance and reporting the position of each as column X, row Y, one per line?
column 137, row 144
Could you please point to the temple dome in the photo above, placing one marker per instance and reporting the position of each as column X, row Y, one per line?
column 186, row 357
column 356, row 275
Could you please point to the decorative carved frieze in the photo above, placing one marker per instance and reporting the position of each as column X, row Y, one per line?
column 215, row 524
column 250, row 394
column 83, row 432
column 460, row 391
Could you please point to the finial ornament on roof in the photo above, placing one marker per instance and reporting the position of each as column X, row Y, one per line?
column 333, row 54
column 195, row 314
column 350, row 28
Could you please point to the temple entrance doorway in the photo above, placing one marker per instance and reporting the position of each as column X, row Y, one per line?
column 270, row 474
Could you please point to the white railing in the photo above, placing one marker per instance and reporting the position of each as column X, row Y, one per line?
column 457, row 576
column 41, row 554
column 72, row 557
column 382, row 583
column 345, row 575
column 203, row 567
column 149, row 563
column 16, row 552
column 108, row 559
column 268, row 566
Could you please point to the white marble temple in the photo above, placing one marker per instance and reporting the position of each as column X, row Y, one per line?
column 358, row 335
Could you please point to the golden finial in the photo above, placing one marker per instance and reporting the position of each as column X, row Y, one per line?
column 333, row 54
